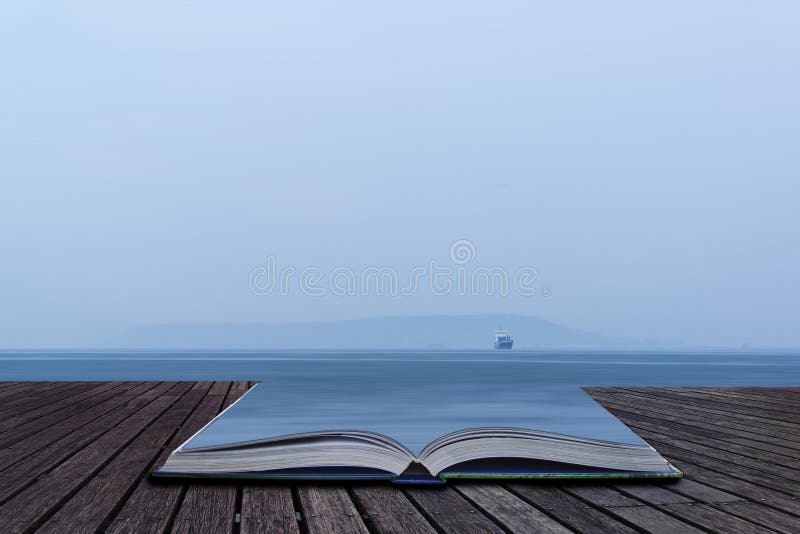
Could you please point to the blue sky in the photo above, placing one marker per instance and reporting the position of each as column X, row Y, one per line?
column 642, row 158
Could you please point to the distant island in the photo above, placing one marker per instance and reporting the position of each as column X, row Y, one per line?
column 432, row 332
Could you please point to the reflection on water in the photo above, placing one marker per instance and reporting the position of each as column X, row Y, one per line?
column 397, row 400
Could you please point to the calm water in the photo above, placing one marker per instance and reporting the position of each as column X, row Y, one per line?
column 417, row 396
column 554, row 368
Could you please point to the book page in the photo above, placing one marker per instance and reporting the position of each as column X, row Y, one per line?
column 412, row 402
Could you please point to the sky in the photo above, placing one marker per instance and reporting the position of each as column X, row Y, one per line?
column 641, row 158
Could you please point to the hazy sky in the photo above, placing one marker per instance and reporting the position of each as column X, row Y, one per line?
column 645, row 159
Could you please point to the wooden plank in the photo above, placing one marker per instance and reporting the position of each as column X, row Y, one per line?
column 32, row 390
column 222, row 497
column 153, row 504
column 723, row 480
column 208, row 508
column 93, row 503
column 760, row 445
column 714, row 519
column 762, row 515
column 38, row 440
column 759, row 451
column 568, row 509
column 11, row 386
column 76, row 491
column 449, row 511
column 268, row 509
column 38, row 391
column 776, row 464
column 238, row 389
column 25, row 510
column 600, row 496
column 693, row 421
column 508, row 510
column 652, row 520
column 388, row 511
column 661, row 401
column 701, row 492
column 687, row 411
column 762, row 397
column 30, row 406
column 735, row 402
column 744, row 408
column 22, row 473
column 44, row 394
column 677, row 449
column 34, row 422
column 329, row 510
column 678, row 506
column 220, row 388
column 699, row 428
column 772, row 392
column 758, row 417
column 650, row 516
column 15, row 438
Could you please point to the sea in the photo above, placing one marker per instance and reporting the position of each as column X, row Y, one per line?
column 416, row 396
column 564, row 368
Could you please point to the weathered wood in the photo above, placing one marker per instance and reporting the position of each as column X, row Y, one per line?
column 600, row 496
column 209, row 509
column 78, row 461
column 652, row 520
column 9, row 388
column 762, row 515
column 693, row 420
column 724, row 481
column 64, row 401
column 774, row 464
column 90, row 507
column 701, row 492
column 25, row 470
column 726, row 410
column 450, row 511
column 151, row 506
column 220, row 388
column 236, row 391
column 508, row 510
column 268, row 509
column 779, row 464
column 568, row 509
column 40, row 393
column 736, row 403
column 388, row 511
column 329, row 510
column 34, row 422
column 737, row 468
column 28, row 507
column 222, row 497
column 653, row 494
column 38, row 440
column 714, row 519
column 22, row 473
column 780, row 402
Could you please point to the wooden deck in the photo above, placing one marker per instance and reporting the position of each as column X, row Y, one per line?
column 74, row 457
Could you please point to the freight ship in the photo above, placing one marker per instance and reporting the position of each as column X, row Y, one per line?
column 502, row 340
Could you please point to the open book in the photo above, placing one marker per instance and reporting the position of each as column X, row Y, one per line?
column 253, row 439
